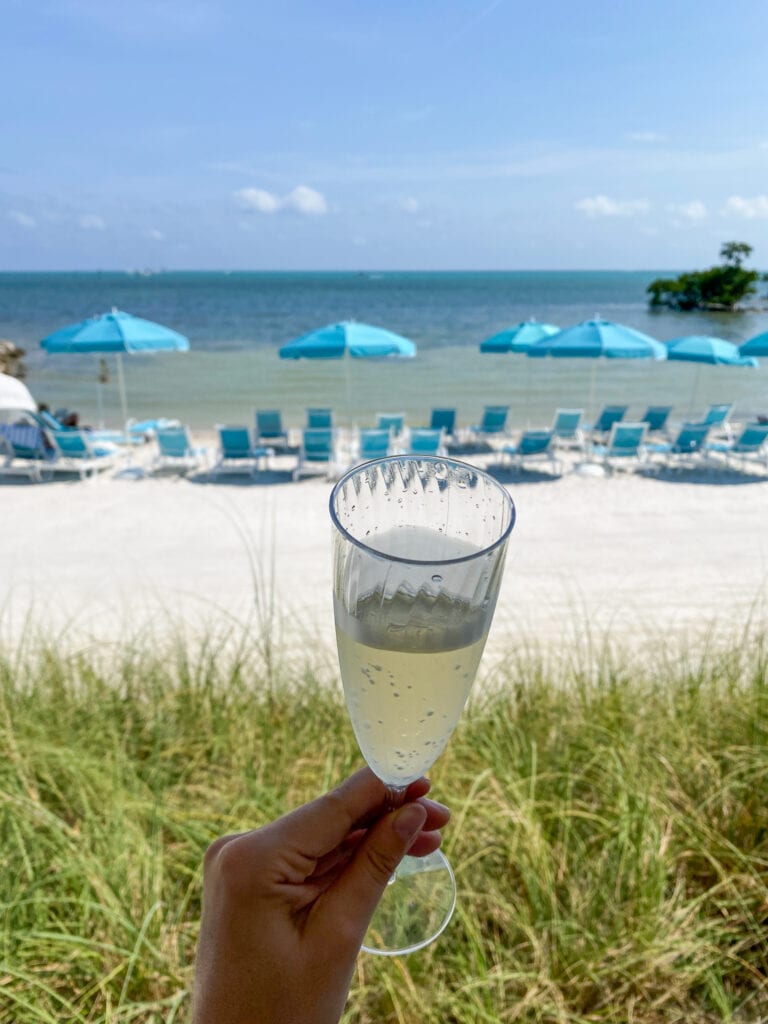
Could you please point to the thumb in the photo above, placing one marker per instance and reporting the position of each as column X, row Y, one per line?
column 357, row 893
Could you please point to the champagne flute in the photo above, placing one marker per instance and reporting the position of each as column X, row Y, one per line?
column 419, row 547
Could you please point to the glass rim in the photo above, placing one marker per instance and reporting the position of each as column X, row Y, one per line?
column 421, row 561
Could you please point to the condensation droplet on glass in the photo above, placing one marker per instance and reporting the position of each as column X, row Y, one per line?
column 437, row 578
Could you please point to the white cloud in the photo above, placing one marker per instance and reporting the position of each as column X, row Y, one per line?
column 155, row 235
column 644, row 137
column 22, row 219
column 257, row 199
column 693, row 211
column 409, row 205
column 604, row 206
column 306, row 200
column 92, row 222
column 752, row 208
column 302, row 199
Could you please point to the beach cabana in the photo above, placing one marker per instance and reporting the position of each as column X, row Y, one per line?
column 117, row 333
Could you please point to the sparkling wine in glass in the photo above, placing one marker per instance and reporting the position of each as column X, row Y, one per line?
column 419, row 546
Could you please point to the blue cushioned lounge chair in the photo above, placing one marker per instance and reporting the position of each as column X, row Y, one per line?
column 394, row 422
column 175, row 450
column 23, row 450
column 750, row 447
column 445, row 420
column 656, row 417
column 609, row 415
column 319, row 419
column 426, row 442
column 237, row 452
column 269, row 429
column 686, row 450
column 76, row 452
column 717, row 417
column 317, row 452
column 625, row 447
column 533, row 446
column 373, row 444
column 566, row 428
column 493, row 423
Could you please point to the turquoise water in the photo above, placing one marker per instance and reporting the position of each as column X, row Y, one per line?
column 237, row 321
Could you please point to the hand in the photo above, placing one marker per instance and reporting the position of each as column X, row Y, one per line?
column 285, row 907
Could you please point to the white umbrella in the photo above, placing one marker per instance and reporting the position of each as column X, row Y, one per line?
column 15, row 396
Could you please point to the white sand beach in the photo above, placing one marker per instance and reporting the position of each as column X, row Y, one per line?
column 648, row 559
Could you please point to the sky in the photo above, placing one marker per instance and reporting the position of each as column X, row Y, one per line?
column 381, row 134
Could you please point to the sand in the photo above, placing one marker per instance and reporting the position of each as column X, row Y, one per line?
column 646, row 559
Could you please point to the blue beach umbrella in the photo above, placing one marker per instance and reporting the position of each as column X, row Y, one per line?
column 701, row 348
column 757, row 346
column 596, row 339
column 518, row 338
column 349, row 339
column 360, row 341
column 115, row 332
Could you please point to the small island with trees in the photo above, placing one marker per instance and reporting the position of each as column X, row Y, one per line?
column 721, row 287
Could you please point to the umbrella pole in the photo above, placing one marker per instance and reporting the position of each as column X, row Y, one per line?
column 121, row 386
column 592, row 391
column 694, row 390
column 100, row 405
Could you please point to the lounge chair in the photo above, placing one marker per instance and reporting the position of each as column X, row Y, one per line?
column 609, row 415
column 534, row 445
column 23, row 450
column 445, row 420
column 493, row 423
column 394, row 422
column 717, row 417
column 373, row 444
column 176, row 451
column 317, row 452
column 269, row 428
column 76, row 452
column 656, row 417
column 426, row 442
column 566, row 428
column 238, row 454
column 319, row 419
column 751, row 446
column 686, row 451
column 625, row 447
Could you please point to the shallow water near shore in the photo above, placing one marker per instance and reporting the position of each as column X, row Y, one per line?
column 236, row 323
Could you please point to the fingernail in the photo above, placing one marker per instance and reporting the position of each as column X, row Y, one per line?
column 408, row 820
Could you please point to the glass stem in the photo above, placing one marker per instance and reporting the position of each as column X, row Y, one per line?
column 394, row 797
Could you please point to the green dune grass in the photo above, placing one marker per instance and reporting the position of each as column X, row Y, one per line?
column 610, row 832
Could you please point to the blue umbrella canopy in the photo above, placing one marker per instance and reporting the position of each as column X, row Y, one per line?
column 757, row 346
column 115, row 332
column 360, row 341
column 598, row 338
column 700, row 348
column 518, row 338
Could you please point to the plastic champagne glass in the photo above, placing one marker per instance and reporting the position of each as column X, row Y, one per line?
column 418, row 555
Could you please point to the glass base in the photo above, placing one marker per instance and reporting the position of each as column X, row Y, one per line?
column 415, row 908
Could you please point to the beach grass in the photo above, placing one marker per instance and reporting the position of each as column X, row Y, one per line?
column 610, row 831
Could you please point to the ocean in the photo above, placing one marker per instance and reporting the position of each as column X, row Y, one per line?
column 237, row 321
